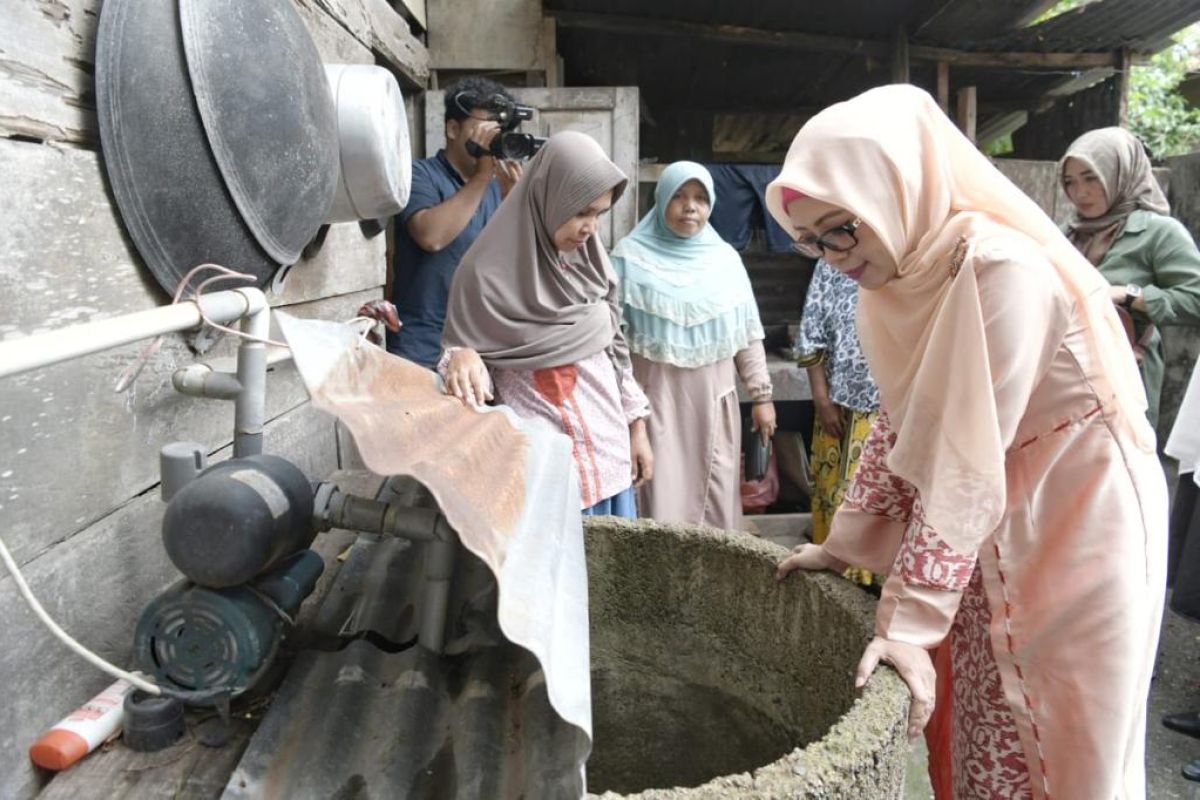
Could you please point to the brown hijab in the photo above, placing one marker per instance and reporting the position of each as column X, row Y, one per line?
column 1120, row 162
column 518, row 301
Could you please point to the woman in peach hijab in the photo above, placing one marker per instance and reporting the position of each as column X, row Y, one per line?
column 1010, row 488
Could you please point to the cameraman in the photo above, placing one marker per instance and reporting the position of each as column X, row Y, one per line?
column 453, row 196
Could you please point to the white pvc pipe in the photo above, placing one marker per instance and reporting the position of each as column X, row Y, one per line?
column 44, row 349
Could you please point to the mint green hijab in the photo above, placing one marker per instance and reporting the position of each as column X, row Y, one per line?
column 685, row 301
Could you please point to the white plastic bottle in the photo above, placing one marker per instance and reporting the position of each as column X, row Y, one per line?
column 93, row 723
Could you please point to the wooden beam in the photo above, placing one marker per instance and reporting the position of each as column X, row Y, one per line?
column 797, row 40
column 900, row 57
column 1123, row 74
column 1032, row 60
column 734, row 34
column 943, row 86
column 967, row 111
column 1001, row 125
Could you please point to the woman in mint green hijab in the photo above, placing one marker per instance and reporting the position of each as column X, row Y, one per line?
column 692, row 324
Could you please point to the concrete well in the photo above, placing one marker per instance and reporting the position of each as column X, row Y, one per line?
column 710, row 680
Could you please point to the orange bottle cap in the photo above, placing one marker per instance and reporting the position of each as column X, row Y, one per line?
column 58, row 749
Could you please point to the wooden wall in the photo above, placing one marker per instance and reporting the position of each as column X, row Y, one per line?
column 78, row 463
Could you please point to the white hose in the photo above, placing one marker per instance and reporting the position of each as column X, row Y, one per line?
column 95, row 660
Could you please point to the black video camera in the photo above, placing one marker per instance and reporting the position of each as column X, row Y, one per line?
column 508, row 144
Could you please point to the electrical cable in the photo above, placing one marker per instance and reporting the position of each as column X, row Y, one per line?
column 66, row 638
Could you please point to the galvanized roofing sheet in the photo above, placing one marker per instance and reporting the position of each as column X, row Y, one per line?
column 1104, row 25
column 381, row 718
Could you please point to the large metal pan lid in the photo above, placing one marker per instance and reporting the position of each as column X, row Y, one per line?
column 375, row 152
column 166, row 184
column 268, row 115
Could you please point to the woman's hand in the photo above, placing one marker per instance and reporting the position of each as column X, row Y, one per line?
column 641, row 456
column 762, row 416
column 381, row 311
column 832, row 417
column 811, row 557
column 915, row 667
column 467, row 377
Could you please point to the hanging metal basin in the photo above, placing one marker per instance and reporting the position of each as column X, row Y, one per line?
column 268, row 115
column 166, row 183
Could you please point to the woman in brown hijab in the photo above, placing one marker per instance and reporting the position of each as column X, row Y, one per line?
column 532, row 321
column 1121, row 223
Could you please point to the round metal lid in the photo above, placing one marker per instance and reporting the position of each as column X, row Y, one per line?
column 268, row 115
column 376, row 155
column 166, row 184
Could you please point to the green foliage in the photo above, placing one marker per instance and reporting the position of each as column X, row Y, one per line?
column 1157, row 112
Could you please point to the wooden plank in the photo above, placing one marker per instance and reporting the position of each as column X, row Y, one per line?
column 392, row 39
column 811, row 42
column 1031, row 60
column 68, row 414
column 46, row 54
column 736, row 34
column 414, row 10
column 1123, row 74
column 1001, row 125
column 348, row 262
column 496, row 35
column 95, row 585
column 900, row 57
column 943, row 86
column 335, row 44
column 379, row 27
column 187, row 770
column 625, row 130
column 64, row 257
column 966, row 111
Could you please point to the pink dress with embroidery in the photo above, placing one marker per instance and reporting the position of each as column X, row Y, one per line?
column 1044, row 639
column 591, row 402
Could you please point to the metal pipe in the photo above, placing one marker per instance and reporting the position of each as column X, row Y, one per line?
column 201, row 380
column 439, row 569
column 45, row 349
column 250, row 405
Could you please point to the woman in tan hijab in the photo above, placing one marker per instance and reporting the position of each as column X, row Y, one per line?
column 1122, row 225
column 532, row 321
column 1010, row 488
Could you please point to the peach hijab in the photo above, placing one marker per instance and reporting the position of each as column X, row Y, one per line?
column 891, row 157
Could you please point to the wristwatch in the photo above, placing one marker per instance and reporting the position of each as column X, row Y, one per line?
column 1132, row 292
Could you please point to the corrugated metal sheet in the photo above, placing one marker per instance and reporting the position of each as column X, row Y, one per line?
column 380, row 717
column 982, row 25
column 1102, row 26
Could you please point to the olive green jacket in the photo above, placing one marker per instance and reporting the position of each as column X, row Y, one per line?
column 1157, row 253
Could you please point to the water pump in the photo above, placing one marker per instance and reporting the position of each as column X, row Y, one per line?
column 239, row 532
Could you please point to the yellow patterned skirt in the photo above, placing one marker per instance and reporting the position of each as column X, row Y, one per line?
column 833, row 464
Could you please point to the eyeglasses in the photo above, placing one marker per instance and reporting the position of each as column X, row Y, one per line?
column 839, row 240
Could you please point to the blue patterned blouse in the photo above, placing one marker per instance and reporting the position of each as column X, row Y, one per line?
column 827, row 326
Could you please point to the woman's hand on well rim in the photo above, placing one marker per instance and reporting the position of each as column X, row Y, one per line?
column 641, row 456
column 916, row 668
column 467, row 377
column 811, row 557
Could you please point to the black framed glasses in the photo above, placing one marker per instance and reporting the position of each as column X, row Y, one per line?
column 838, row 240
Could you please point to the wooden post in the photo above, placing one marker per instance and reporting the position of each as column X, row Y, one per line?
column 943, row 85
column 967, row 111
column 900, row 71
column 1125, row 61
